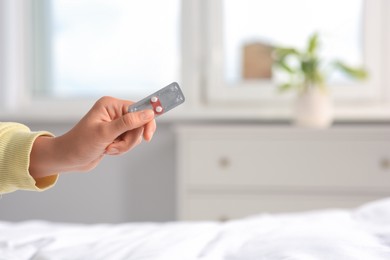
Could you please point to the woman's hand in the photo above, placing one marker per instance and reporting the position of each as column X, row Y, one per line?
column 107, row 129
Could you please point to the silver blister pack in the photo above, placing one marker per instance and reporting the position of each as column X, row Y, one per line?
column 161, row 101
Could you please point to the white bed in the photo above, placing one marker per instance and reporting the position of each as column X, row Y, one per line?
column 362, row 233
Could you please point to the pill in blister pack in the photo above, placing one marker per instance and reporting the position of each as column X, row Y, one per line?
column 161, row 101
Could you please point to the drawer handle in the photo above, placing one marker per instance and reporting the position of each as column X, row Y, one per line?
column 385, row 164
column 224, row 163
column 223, row 218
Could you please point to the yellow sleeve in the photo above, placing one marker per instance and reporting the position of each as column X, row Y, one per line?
column 16, row 142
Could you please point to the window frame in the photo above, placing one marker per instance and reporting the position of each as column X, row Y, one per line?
column 14, row 52
column 205, row 98
column 23, row 71
column 218, row 92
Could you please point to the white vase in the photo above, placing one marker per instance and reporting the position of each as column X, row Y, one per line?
column 314, row 109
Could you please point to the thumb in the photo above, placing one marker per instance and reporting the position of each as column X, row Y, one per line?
column 131, row 121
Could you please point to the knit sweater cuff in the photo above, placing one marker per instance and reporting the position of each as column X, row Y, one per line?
column 15, row 148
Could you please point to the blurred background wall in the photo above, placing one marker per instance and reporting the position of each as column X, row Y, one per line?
column 138, row 186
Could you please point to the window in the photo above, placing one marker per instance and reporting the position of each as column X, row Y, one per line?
column 128, row 48
column 350, row 30
column 117, row 47
column 264, row 22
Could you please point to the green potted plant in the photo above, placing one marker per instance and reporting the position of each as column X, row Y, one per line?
column 307, row 74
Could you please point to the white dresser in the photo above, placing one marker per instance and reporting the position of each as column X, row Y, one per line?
column 231, row 171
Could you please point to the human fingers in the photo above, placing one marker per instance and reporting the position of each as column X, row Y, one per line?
column 130, row 121
column 149, row 130
column 125, row 142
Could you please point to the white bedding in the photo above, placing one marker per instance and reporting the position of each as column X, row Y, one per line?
column 363, row 233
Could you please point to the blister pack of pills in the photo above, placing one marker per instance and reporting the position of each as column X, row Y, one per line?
column 161, row 101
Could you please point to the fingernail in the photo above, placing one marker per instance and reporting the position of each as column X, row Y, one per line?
column 147, row 115
column 112, row 151
column 150, row 136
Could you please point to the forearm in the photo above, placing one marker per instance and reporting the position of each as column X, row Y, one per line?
column 44, row 159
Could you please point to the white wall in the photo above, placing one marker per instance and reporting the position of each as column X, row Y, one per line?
column 137, row 186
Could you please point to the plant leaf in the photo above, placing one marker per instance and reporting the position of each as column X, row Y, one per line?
column 310, row 68
column 283, row 53
column 282, row 64
column 284, row 87
column 313, row 44
column 357, row 73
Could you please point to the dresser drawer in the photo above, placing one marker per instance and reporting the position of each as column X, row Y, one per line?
column 224, row 207
column 333, row 158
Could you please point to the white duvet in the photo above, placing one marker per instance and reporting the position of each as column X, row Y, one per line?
column 363, row 234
